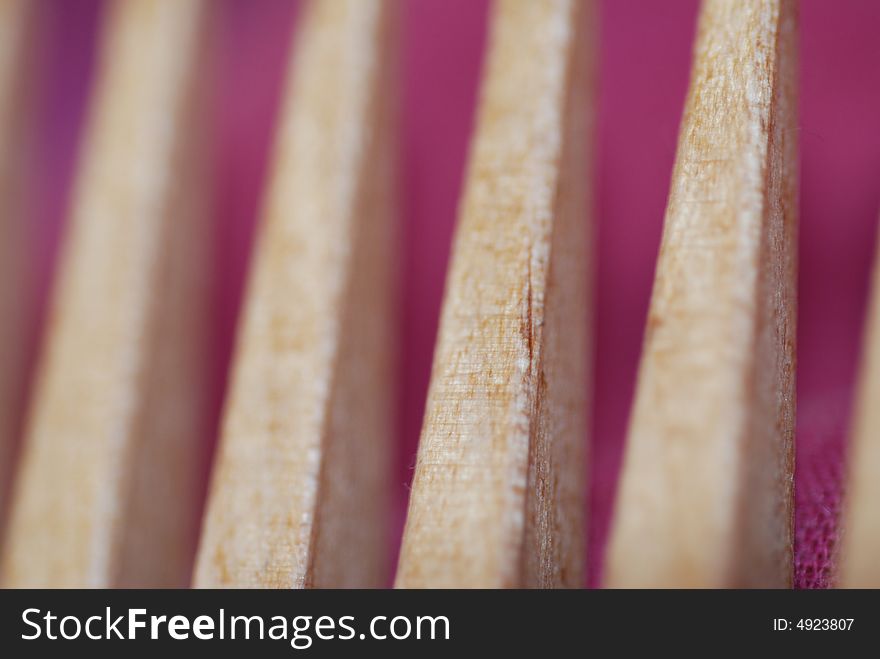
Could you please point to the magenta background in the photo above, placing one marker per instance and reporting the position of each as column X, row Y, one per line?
column 644, row 54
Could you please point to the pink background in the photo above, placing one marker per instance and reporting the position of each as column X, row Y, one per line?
column 644, row 62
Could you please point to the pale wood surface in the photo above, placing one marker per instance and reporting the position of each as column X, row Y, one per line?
column 860, row 549
column 299, row 496
column 706, row 489
column 19, row 22
column 498, row 493
column 109, row 488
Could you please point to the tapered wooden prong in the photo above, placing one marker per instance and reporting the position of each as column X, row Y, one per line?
column 20, row 21
column 109, row 489
column 497, row 496
column 300, row 488
column 705, row 497
column 860, row 547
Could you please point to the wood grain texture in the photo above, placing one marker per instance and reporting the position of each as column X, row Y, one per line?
column 19, row 25
column 705, row 497
column 860, row 546
column 300, row 492
column 110, row 484
column 498, row 492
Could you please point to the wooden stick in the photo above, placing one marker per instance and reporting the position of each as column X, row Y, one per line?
column 300, row 490
column 497, row 498
column 860, row 546
column 109, row 489
column 18, row 25
column 706, row 487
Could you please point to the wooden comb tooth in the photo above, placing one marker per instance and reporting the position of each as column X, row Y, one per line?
column 109, row 493
column 498, row 492
column 860, row 545
column 19, row 22
column 705, row 497
column 299, row 494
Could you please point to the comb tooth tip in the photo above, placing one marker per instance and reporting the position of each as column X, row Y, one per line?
column 107, row 492
column 300, row 488
column 705, row 495
column 860, row 544
column 22, row 28
column 498, row 494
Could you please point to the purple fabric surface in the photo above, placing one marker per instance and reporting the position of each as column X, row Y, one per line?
column 644, row 64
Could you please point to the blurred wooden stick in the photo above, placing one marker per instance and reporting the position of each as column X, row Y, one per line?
column 497, row 497
column 706, row 487
column 300, row 491
column 859, row 564
column 110, row 484
column 18, row 25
